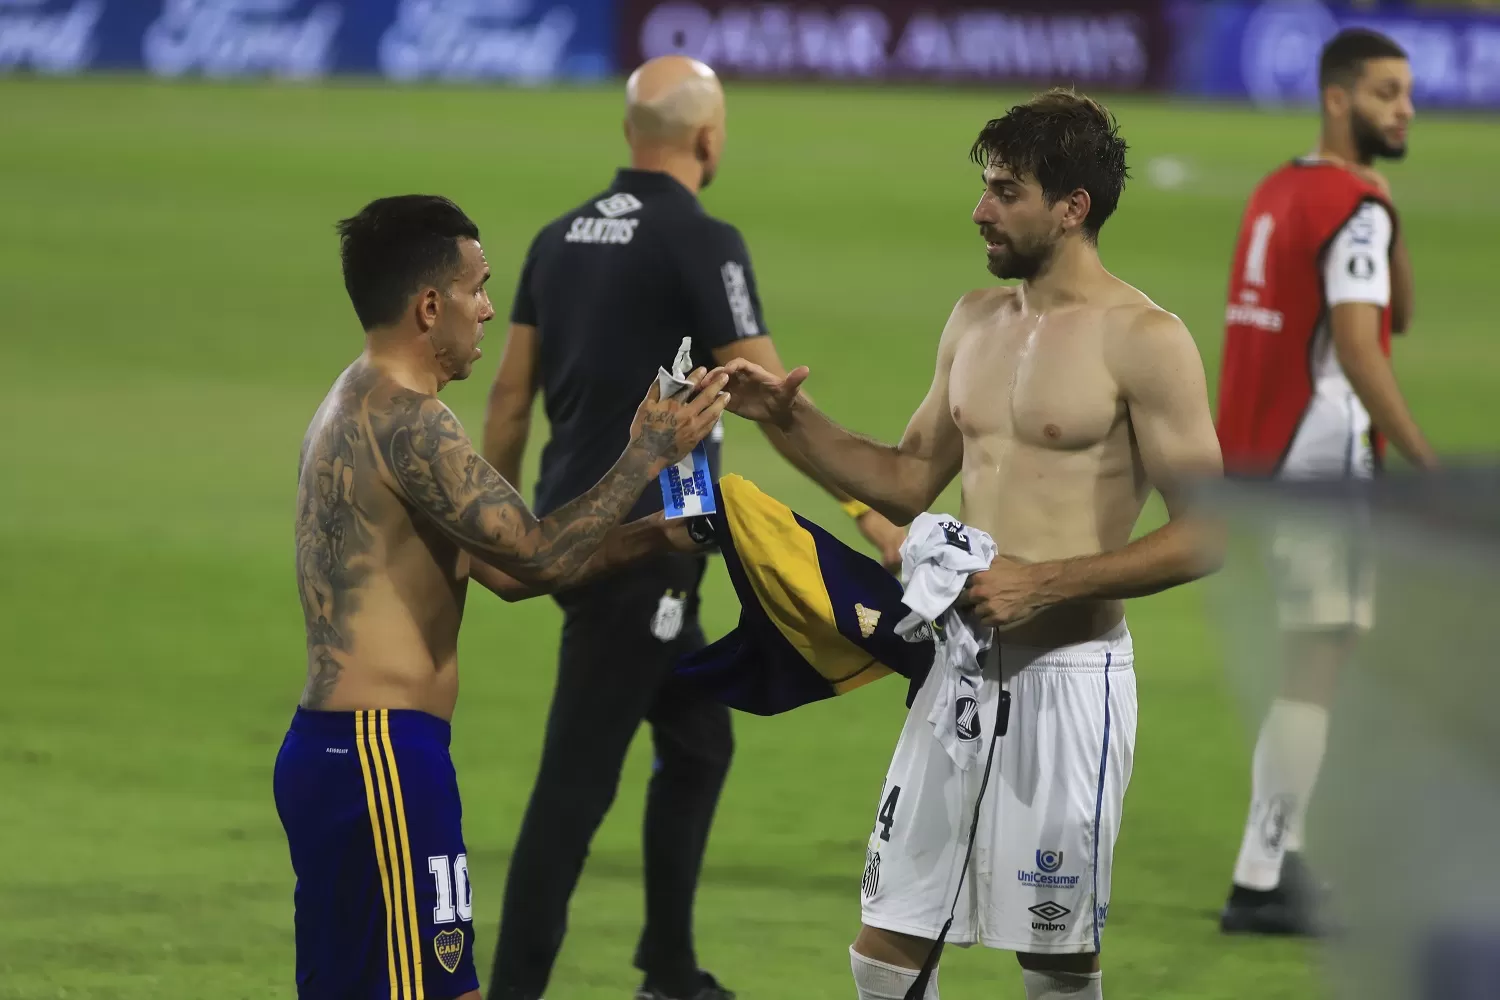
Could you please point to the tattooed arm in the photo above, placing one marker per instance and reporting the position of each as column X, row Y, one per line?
column 621, row 546
column 432, row 464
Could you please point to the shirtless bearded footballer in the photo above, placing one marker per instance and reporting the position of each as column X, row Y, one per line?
column 1061, row 401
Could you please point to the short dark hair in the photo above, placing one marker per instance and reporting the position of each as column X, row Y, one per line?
column 1343, row 58
column 394, row 246
column 1066, row 141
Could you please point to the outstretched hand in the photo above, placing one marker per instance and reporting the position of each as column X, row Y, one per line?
column 756, row 394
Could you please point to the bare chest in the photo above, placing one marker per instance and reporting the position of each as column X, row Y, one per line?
column 1039, row 381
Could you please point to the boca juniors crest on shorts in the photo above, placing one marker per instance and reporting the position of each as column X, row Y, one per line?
column 449, row 946
column 384, row 909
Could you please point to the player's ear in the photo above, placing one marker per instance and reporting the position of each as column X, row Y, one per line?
column 428, row 307
column 1077, row 211
column 1335, row 100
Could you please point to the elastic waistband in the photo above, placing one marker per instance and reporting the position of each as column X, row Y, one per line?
column 1111, row 651
column 397, row 724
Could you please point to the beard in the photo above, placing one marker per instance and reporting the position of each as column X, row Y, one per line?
column 1022, row 261
column 1370, row 143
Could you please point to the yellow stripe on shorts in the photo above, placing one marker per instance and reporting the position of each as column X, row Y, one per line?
column 379, row 821
column 400, row 873
column 405, row 842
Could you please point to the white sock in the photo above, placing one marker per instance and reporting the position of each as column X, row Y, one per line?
column 1063, row 985
column 1288, row 755
column 879, row 981
column 1296, row 825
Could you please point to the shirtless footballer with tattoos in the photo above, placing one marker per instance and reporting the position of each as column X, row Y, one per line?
column 396, row 510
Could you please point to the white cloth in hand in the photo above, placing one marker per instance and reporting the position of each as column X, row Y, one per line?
column 937, row 559
column 675, row 381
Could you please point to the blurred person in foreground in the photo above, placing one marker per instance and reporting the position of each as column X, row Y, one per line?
column 607, row 293
column 395, row 512
column 1061, row 402
column 1320, row 281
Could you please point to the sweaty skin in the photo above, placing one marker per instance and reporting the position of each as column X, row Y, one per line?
column 1056, row 466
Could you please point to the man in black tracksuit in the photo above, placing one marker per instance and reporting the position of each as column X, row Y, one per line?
column 606, row 294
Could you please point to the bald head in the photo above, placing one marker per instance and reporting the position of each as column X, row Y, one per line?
column 669, row 99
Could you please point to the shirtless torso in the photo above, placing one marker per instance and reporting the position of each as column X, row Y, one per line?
column 1052, row 465
column 1060, row 421
column 382, row 587
column 392, row 500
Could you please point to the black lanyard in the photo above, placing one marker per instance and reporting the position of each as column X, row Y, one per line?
column 1002, row 722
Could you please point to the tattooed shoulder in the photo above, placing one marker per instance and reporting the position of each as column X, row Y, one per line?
column 423, row 421
column 435, row 467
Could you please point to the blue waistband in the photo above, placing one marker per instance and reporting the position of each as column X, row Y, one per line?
column 398, row 724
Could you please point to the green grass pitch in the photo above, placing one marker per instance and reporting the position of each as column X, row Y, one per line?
column 173, row 312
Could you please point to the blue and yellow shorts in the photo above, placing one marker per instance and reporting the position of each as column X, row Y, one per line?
column 369, row 801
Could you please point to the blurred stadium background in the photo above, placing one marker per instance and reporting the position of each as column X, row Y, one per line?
column 173, row 312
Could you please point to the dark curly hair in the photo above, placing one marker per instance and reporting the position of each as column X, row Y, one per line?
column 1066, row 141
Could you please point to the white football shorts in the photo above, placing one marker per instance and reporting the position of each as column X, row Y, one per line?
column 1323, row 575
column 1039, row 878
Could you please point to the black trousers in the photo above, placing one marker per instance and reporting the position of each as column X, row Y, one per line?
column 621, row 636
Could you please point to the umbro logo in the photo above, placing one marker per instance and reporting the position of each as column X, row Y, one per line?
column 868, row 619
column 1050, row 910
column 617, row 205
column 1049, row 917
